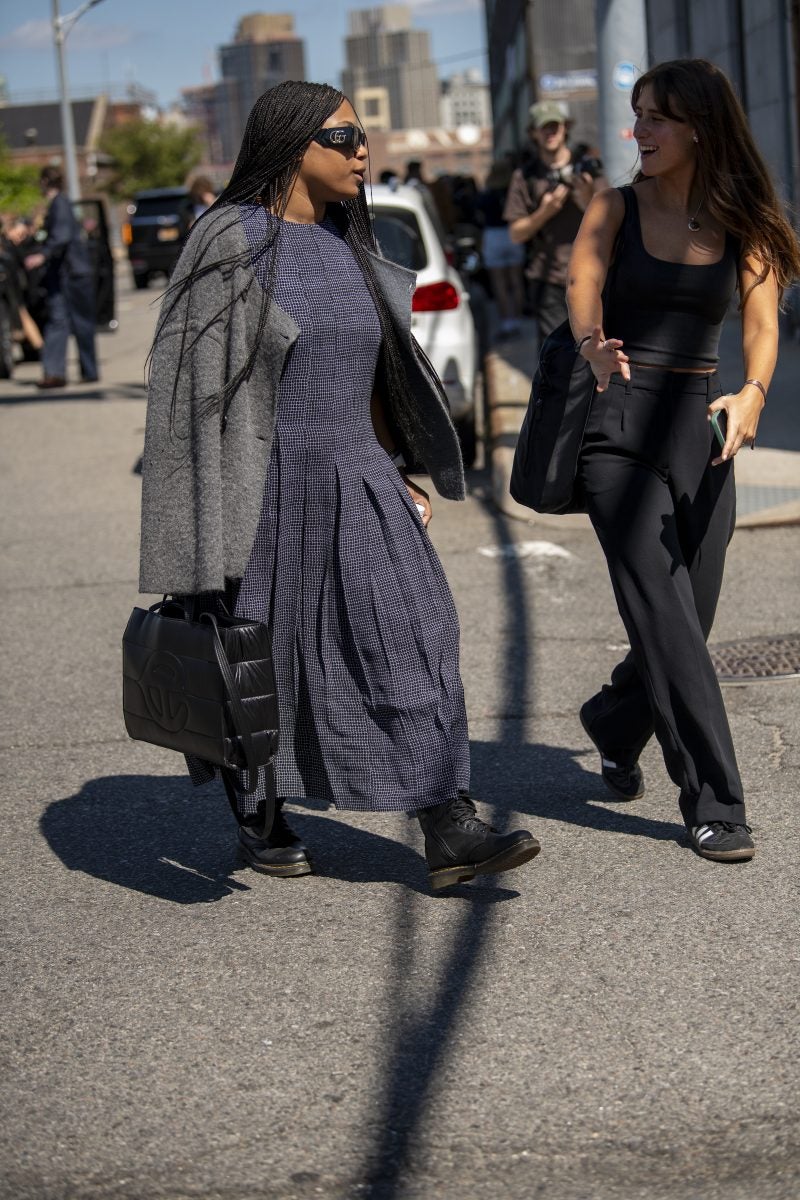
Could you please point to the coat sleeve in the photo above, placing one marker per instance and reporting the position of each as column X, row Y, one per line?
column 181, row 536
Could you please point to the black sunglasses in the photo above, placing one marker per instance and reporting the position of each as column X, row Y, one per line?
column 342, row 137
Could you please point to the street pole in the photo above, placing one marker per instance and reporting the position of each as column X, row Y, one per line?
column 67, row 125
column 61, row 27
column 621, row 58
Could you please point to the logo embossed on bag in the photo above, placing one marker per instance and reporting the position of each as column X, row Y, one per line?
column 163, row 684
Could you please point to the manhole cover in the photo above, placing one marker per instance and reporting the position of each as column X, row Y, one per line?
column 776, row 657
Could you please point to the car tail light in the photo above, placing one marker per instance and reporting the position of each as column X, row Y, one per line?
column 127, row 233
column 435, row 297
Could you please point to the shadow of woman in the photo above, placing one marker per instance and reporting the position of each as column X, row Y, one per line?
column 152, row 834
column 546, row 782
column 161, row 836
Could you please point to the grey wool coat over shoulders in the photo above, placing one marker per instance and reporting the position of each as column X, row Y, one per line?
column 203, row 477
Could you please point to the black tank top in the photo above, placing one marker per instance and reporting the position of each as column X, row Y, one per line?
column 668, row 314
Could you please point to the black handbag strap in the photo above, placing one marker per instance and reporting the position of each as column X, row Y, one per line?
column 619, row 242
column 239, row 715
column 240, row 727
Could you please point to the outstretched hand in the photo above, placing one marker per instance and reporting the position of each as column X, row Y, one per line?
column 605, row 357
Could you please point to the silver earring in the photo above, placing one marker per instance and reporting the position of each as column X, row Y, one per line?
column 695, row 138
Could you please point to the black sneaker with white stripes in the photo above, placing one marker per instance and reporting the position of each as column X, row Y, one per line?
column 723, row 841
column 627, row 783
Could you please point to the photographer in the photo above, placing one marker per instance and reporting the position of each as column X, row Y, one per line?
column 545, row 203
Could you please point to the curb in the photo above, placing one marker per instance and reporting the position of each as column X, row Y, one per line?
column 506, row 386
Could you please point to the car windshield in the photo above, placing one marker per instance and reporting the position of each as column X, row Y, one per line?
column 398, row 235
column 161, row 206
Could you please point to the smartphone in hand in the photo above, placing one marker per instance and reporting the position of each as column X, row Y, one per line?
column 719, row 423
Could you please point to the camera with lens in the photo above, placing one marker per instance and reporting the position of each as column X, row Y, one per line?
column 589, row 164
column 583, row 164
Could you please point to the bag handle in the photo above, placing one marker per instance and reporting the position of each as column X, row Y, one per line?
column 240, row 727
column 239, row 715
column 619, row 242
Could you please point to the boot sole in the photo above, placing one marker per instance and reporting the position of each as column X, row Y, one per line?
column 515, row 856
column 279, row 870
column 614, row 791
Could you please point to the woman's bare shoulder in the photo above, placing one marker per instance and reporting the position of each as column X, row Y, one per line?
column 606, row 209
column 609, row 201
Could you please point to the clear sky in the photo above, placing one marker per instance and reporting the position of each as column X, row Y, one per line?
column 166, row 45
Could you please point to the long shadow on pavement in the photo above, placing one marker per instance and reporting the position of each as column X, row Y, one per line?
column 557, row 789
column 111, row 391
column 160, row 836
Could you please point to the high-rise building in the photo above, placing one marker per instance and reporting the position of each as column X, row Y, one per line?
column 465, row 101
column 265, row 51
column 541, row 52
column 383, row 51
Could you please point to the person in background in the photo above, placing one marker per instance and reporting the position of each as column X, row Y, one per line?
column 546, row 201
column 15, row 243
column 502, row 258
column 201, row 195
column 70, row 287
column 414, row 174
column 702, row 221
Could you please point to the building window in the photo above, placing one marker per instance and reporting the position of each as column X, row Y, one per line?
column 275, row 60
column 372, row 107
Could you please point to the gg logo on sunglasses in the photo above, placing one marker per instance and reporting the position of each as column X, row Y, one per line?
column 342, row 137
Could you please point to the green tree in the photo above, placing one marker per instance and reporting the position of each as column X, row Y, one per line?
column 148, row 155
column 19, row 186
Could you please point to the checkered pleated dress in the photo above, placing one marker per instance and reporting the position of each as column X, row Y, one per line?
column 365, row 632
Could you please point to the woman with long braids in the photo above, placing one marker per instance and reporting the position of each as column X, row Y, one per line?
column 286, row 394
column 701, row 219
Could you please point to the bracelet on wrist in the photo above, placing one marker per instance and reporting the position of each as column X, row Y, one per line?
column 757, row 383
column 578, row 345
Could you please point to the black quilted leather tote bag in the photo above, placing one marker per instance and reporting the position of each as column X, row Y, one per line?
column 543, row 474
column 203, row 687
column 546, row 458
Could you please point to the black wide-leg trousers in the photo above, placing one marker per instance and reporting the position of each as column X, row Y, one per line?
column 664, row 517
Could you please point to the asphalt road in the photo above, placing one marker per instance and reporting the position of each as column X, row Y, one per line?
column 616, row 1020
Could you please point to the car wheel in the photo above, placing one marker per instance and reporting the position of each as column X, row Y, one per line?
column 6, row 344
column 141, row 281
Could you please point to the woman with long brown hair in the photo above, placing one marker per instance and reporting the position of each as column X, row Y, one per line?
column 701, row 220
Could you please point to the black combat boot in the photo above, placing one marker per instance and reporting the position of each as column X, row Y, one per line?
column 459, row 845
column 282, row 853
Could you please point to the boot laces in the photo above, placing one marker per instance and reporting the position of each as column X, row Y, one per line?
column 462, row 811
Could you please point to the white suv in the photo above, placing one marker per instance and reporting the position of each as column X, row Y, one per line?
column 409, row 232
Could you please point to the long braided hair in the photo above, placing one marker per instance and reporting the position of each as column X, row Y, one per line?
column 279, row 131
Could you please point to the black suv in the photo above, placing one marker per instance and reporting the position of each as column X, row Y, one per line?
column 158, row 221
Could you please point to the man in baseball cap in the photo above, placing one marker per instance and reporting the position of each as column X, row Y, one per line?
column 544, row 206
column 547, row 112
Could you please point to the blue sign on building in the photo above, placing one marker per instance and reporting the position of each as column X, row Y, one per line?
column 624, row 76
column 568, row 81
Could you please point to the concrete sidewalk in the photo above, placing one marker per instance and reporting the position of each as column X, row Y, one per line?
column 768, row 479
